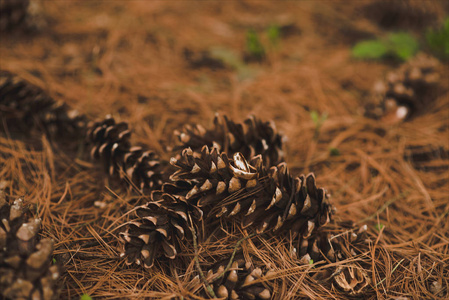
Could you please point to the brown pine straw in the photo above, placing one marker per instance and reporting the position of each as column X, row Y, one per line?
column 145, row 80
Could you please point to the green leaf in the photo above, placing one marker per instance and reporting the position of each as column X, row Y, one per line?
column 311, row 262
column 438, row 40
column 273, row 34
column 53, row 260
column 86, row 297
column 370, row 49
column 315, row 117
column 402, row 45
column 379, row 227
column 253, row 44
column 334, row 151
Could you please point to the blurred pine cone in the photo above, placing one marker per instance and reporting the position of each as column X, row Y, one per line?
column 12, row 13
column 20, row 14
column 25, row 262
column 110, row 142
column 406, row 14
column 406, row 91
column 427, row 157
column 241, row 281
column 24, row 106
column 250, row 138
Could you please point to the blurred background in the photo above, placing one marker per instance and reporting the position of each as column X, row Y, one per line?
column 310, row 66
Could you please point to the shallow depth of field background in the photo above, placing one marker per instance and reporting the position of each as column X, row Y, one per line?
column 162, row 64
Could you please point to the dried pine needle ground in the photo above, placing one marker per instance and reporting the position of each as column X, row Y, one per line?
column 128, row 60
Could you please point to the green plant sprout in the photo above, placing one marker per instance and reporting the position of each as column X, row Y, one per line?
column 274, row 35
column 379, row 227
column 438, row 40
column 254, row 46
column 334, row 151
column 318, row 120
column 401, row 46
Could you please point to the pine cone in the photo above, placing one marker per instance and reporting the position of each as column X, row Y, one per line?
column 110, row 142
column 229, row 188
column 24, row 15
column 406, row 91
column 12, row 13
column 24, row 106
column 160, row 225
column 25, row 271
column 334, row 244
column 239, row 281
column 339, row 246
column 267, row 200
column 427, row 157
column 406, row 14
column 251, row 138
column 351, row 279
column 264, row 199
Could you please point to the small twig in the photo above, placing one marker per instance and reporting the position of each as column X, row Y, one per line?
column 197, row 261
column 89, row 256
column 392, row 271
column 233, row 255
column 340, row 234
column 337, row 272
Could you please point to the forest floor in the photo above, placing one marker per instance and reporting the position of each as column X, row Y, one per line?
column 154, row 64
